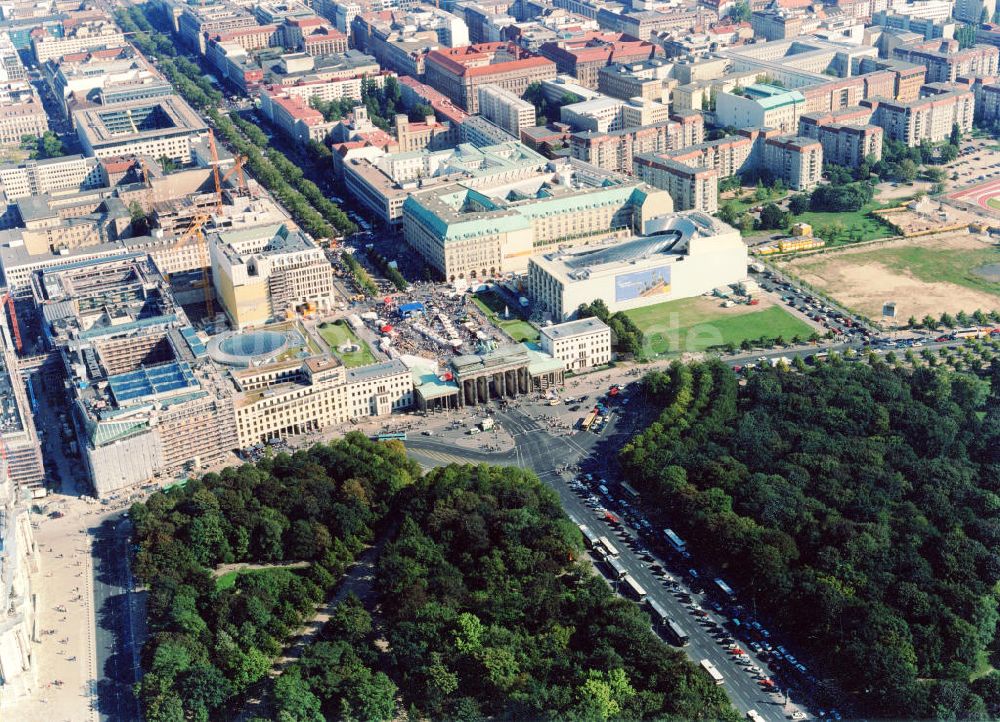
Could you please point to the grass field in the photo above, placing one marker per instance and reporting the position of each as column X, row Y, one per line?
column 944, row 265
column 994, row 203
column 856, row 226
column 336, row 334
column 494, row 306
column 695, row 324
column 228, row 580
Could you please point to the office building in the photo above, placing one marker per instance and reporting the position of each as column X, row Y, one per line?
column 19, row 633
column 682, row 255
column 84, row 32
column 650, row 80
column 583, row 56
column 581, row 344
column 760, row 106
column 383, row 184
column 70, row 173
column 505, row 109
column 604, row 114
column 21, row 113
column 266, row 272
column 402, row 38
column 161, row 127
column 459, row 72
column 484, row 231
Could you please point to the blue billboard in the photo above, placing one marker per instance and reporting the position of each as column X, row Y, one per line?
column 642, row 284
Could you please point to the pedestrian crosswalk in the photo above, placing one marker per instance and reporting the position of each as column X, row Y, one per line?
column 430, row 458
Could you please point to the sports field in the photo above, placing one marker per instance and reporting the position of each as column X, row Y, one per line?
column 337, row 334
column 984, row 195
column 931, row 275
column 695, row 324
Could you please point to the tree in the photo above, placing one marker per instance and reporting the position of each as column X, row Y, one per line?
column 948, row 153
column 798, row 203
column 955, row 138
column 907, row 170
column 771, row 217
column 966, row 36
column 740, row 11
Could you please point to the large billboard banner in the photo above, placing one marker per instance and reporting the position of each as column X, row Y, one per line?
column 642, row 284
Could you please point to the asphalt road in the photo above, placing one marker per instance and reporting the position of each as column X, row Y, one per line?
column 116, row 637
column 546, row 455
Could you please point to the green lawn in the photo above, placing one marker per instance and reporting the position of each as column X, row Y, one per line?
column 947, row 265
column 847, row 227
column 226, row 581
column 338, row 333
column 695, row 324
column 494, row 307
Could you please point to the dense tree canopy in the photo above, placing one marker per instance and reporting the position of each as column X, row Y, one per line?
column 487, row 613
column 857, row 507
column 210, row 641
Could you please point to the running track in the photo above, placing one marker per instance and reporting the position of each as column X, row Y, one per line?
column 979, row 194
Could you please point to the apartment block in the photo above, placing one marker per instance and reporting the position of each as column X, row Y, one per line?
column 945, row 62
column 506, row 109
column 930, row 118
column 615, row 150
column 847, row 136
column 796, row 160
column 690, row 188
column 459, row 72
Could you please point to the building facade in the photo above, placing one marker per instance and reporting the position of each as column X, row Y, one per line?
column 581, row 344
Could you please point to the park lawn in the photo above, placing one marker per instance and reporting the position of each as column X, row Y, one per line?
column 520, row 330
column 695, row 324
column 945, row 265
column 871, row 227
column 336, row 334
column 494, row 307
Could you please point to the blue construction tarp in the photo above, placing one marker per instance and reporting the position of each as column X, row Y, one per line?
column 408, row 309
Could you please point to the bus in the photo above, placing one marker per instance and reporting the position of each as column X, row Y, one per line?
column 675, row 635
column 970, row 332
column 678, row 544
column 629, row 491
column 632, row 588
column 754, row 716
column 390, row 437
column 712, row 671
column 590, row 539
column 609, row 548
column 588, row 420
column 658, row 612
column 726, row 590
column 615, row 569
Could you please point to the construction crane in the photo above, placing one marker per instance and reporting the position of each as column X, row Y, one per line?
column 219, row 180
column 194, row 231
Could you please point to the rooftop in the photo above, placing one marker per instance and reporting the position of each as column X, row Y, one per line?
column 574, row 328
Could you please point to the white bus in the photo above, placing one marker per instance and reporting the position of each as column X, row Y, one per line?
column 754, row 716
column 609, row 548
column 712, row 671
column 615, row 569
column 590, row 539
column 633, row 589
column 678, row 544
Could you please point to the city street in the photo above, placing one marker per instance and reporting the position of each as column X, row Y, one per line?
column 547, row 455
